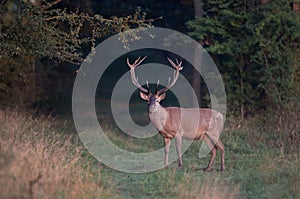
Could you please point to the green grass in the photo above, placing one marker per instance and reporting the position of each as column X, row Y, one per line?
column 255, row 166
column 252, row 172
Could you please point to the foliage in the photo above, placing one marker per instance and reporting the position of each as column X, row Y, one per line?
column 56, row 33
column 17, row 82
column 30, row 33
column 256, row 48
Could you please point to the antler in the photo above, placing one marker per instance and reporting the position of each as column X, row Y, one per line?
column 178, row 68
column 134, row 79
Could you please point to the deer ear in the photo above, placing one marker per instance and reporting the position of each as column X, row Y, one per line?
column 162, row 96
column 144, row 96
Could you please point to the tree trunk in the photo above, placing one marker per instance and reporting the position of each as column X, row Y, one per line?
column 196, row 82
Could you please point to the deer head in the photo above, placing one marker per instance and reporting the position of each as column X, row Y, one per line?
column 153, row 99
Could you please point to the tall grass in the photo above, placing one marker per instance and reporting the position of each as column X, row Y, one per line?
column 43, row 158
column 38, row 161
column 210, row 187
column 265, row 153
column 274, row 130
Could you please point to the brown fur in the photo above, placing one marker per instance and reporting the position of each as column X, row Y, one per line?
column 188, row 123
column 178, row 123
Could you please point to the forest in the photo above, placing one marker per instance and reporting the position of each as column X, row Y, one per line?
column 44, row 46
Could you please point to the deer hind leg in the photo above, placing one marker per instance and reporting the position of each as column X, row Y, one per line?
column 178, row 143
column 213, row 150
column 220, row 146
column 167, row 142
column 212, row 158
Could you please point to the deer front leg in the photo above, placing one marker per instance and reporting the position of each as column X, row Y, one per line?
column 178, row 143
column 167, row 149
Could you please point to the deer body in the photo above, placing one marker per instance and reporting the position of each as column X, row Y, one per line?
column 178, row 123
column 168, row 126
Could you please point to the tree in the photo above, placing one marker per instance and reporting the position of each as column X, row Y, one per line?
column 196, row 82
column 31, row 32
column 254, row 46
column 53, row 32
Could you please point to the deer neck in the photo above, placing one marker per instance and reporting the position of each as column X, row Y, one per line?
column 158, row 117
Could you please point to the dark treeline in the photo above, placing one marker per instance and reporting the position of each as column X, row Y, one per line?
column 42, row 45
column 255, row 44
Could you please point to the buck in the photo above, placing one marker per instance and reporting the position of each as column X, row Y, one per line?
column 176, row 122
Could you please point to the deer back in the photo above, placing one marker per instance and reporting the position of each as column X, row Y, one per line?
column 192, row 123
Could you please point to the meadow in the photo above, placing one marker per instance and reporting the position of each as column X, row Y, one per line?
column 42, row 157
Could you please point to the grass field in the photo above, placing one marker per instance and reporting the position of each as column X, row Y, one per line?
column 44, row 158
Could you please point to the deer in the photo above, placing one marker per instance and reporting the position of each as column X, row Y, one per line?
column 175, row 122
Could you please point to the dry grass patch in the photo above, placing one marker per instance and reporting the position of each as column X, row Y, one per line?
column 37, row 161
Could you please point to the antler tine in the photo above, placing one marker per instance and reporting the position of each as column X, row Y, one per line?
column 137, row 62
column 178, row 63
column 156, row 86
column 134, row 78
column 172, row 63
column 128, row 63
column 177, row 67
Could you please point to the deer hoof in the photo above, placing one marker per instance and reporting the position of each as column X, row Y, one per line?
column 223, row 168
column 207, row 169
column 180, row 167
